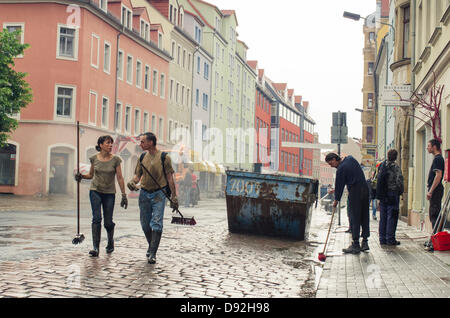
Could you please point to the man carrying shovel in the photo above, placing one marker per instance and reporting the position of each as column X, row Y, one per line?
column 155, row 173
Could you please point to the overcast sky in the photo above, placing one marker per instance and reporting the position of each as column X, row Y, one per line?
column 309, row 45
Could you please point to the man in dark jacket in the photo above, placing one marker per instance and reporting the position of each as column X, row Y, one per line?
column 389, row 188
column 350, row 174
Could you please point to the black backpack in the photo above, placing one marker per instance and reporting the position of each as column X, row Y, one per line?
column 163, row 158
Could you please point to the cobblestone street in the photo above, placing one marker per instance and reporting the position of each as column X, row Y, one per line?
column 193, row 261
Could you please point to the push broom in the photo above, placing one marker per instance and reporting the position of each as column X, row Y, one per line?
column 322, row 256
column 175, row 219
column 79, row 238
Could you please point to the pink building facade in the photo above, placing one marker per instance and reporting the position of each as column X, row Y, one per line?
column 92, row 63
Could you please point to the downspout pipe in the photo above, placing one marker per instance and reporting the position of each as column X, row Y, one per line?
column 116, row 87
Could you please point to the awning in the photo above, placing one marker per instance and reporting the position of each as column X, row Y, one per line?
column 200, row 166
column 219, row 169
column 211, row 166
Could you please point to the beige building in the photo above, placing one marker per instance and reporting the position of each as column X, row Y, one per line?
column 368, row 118
column 431, row 60
column 400, row 18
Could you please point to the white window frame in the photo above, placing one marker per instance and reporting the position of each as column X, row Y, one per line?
column 107, row 113
column 105, row 5
column 146, row 122
column 155, row 92
column 73, row 106
column 171, row 89
column 161, row 128
column 137, row 127
column 149, row 77
column 75, row 46
column 138, row 84
column 170, row 126
column 22, row 35
column 127, row 23
column 120, row 71
column 119, row 120
column 160, row 40
column 106, row 43
column 177, row 93
column 128, row 122
column 154, row 125
column 93, row 123
column 183, row 89
column 132, row 66
column 98, row 50
column 162, row 85
column 179, row 54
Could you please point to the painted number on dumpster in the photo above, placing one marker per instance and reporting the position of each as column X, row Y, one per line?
column 241, row 186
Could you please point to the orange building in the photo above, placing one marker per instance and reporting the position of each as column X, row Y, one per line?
column 92, row 62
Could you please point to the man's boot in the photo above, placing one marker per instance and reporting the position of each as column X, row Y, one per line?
column 353, row 249
column 110, row 246
column 96, row 233
column 148, row 236
column 156, row 237
column 365, row 245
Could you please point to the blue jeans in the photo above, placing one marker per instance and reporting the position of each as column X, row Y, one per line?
column 389, row 210
column 374, row 207
column 151, row 206
column 107, row 201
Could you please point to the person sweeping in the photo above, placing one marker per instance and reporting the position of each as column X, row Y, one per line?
column 350, row 174
column 104, row 168
column 154, row 171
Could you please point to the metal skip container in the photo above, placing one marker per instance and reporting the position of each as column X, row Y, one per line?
column 270, row 205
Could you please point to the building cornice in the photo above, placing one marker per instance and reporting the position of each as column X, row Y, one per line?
column 398, row 64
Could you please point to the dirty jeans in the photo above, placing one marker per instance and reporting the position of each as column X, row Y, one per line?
column 389, row 210
column 151, row 206
column 107, row 201
column 358, row 197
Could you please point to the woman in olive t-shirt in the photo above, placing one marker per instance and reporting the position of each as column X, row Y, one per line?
column 104, row 168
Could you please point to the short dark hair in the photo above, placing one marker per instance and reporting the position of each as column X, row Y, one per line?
column 101, row 140
column 150, row 137
column 435, row 142
column 332, row 156
column 392, row 155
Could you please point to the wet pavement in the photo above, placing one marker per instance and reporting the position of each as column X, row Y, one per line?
column 37, row 258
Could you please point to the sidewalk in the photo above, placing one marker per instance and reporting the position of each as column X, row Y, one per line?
column 404, row 271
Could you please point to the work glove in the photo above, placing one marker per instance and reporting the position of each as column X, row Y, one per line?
column 174, row 204
column 78, row 177
column 124, row 202
column 132, row 186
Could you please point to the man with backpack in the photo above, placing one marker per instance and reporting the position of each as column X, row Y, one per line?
column 389, row 188
column 155, row 173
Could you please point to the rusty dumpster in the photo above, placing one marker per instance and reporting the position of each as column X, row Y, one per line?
column 270, row 205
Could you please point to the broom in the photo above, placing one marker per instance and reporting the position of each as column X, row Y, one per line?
column 322, row 256
column 79, row 238
column 177, row 220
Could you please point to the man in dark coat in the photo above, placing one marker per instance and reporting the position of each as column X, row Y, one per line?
column 350, row 174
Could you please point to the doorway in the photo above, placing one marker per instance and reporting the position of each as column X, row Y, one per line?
column 58, row 173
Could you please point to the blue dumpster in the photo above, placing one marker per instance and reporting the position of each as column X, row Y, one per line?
column 270, row 205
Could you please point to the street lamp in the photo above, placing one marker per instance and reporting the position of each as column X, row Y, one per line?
column 352, row 16
column 357, row 17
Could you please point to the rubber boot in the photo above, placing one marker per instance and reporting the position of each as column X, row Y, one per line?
column 353, row 249
column 365, row 245
column 148, row 236
column 110, row 246
column 96, row 233
column 156, row 238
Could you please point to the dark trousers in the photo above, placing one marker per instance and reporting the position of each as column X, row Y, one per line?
column 389, row 210
column 435, row 204
column 358, row 197
column 105, row 200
